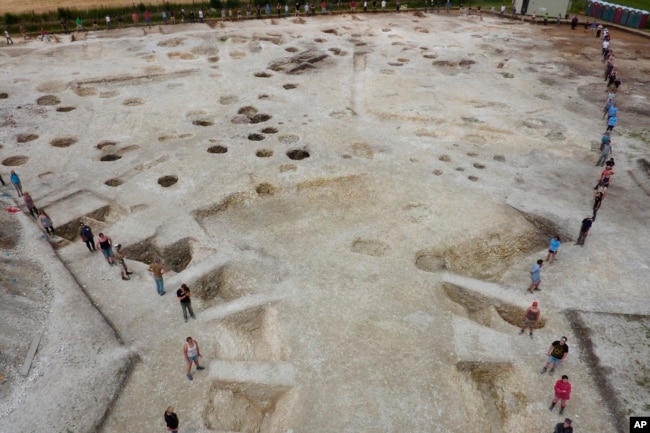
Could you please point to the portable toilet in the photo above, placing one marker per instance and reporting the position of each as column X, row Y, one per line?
column 588, row 10
column 644, row 19
column 603, row 12
column 634, row 19
column 617, row 15
column 594, row 9
column 608, row 14
column 624, row 16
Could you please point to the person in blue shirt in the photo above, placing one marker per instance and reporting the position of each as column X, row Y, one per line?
column 552, row 249
column 611, row 123
column 535, row 277
column 613, row 111
column 15, row 180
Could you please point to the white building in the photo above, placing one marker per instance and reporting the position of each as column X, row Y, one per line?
column 551, row 7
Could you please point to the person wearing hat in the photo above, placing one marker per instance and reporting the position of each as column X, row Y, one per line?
column 531, row 318
column 557, row 353
column 564, row 427
column 562, row 393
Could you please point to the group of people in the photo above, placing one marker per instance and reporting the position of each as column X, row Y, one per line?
column 40, row 215
column 610, row 113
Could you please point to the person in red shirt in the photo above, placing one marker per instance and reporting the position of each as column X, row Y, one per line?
column 562, row 393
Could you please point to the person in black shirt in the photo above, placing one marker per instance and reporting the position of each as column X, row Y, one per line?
column 171, row 420
column 564, row 427
column 584, row 231
column 183, row 295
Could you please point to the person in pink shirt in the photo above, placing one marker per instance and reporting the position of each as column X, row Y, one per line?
column 562, row 393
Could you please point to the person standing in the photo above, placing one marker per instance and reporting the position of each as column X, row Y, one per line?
column 564, row 427
column 531, row 319
column 535, row 276
column 147, row 18
column 79, row 24
column 94, row 24
column 201, row 15
column 562, row 393
column 605, row 179
column 119, row 257
column 8, row 38
column 598, row 200
column 574, row 22
column 192, row 353
column 584, row 231
column 108, row 22
column 557, row 353
column 86, row 235
column 46, row 222
column 605, row 152
column 448, row 6
column 171, row 420
column 15, row 180
column 158, row 270
column 383, row 5
column 552, row 249
column 29, row 203
column 183, row 294
column 105, row 244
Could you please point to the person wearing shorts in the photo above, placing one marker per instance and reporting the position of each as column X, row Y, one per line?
column 105, row 244
column 531, row 318
column 535, row 276
column 552, row 249
column 192, row 354
column 557, row 353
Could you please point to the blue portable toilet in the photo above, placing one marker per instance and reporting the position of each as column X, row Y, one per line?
column 588, row 10
column 634, row 19
column 624, row 16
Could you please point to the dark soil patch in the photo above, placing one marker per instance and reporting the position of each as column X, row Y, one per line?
column 4, row 95
column 175, row 257
column 472, row 178
column 247, row 111
column 132, row 102
column 269, row 130
column 264, row 153
column 65, row 109
column 499, row 158
column 298, row 154
column 479, row 165
column 202, row 123
column 291, row 49
column 26, row 138
column 263, row 74
column 103, row 144
column 255, row 137
column 113, row 182
column 48, row 100
column 437, row 172
column 644, row 165
column 445, row 158
column 259, row 118
column 13, row 161
column 290, row 86
column 217, row 149
column 167, row 181
column 63, row 141
column 110, row 157
column 265, row 189
column 70, row 231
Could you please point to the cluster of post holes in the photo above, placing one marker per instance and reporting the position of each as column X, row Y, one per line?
column 295, row 154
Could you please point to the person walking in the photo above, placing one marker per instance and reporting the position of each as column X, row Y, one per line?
column 171, row 420
column 562, row 393
column 192, row 354
column 557, row 353
column 554, row 245
column 584, row 231
column 29, row 203
column 8, row 38
column 598, row 200
column 535, row 276
column 79, row 24
column 564, row 427
column 605, row 178
column 105, row 244
column 157, row 269
column 86, row 235
column 605, row 153
column 15, row 181
column 46, row 222
column 183, row 294
column 531, row 319
column 119, row 256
